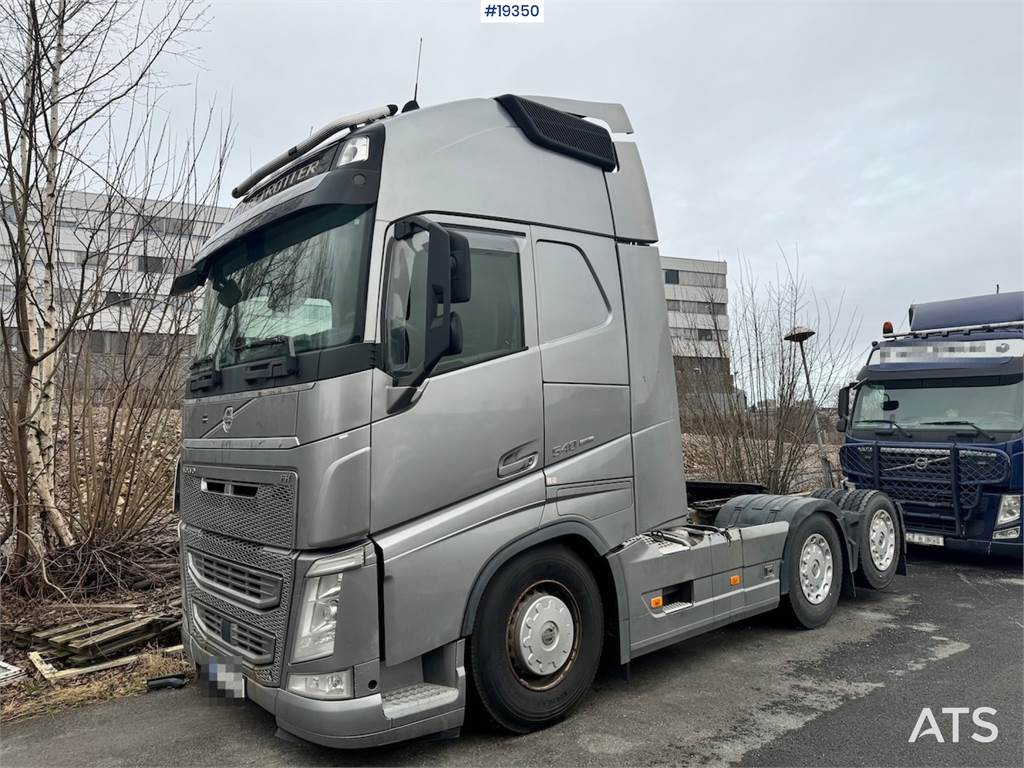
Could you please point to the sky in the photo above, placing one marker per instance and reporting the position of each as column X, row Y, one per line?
column 882, row 142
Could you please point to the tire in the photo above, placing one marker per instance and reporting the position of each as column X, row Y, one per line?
column 835, row 495
column 543, row 587
column 879, row 538
column 814, row 567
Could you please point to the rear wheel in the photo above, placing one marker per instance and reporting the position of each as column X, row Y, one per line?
column 880, row 538
column 536, row 643
column 814, row 566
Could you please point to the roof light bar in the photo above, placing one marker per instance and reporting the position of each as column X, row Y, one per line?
column 335, row 126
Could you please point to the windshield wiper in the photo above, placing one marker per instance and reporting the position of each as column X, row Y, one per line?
column 957, row 422
column 895, row 427
column 241, row 343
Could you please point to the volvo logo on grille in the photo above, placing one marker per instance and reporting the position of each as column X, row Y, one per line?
column 229, row 418
column 921, row 462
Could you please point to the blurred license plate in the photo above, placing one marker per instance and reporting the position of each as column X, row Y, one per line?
column 227, row 680
column 927, row 539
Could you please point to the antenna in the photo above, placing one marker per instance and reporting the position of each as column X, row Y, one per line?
column 411, row 105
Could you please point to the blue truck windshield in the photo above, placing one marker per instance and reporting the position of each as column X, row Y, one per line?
column 992, row 403
column 300, row 282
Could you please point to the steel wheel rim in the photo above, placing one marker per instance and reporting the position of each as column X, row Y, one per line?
column 882, row 540
column 543, row 635
column 815, row 569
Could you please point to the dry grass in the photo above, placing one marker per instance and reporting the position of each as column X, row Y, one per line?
column 34, row 697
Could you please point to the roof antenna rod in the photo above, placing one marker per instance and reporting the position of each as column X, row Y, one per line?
column 411, row 105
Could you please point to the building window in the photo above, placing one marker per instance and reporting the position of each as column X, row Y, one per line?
column 671, row 277
column 116, row 298
column 701, row 279
column 705, row 334
column 151, row 264
column 696, row 307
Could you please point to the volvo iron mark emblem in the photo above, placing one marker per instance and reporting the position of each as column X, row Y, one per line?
column 921, row 462
column 229, row 418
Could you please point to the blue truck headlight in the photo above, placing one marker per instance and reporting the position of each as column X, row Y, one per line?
column 321, row 596
column 327, row 685
column 1009, row 509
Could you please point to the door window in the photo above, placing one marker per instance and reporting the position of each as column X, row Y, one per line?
column 492, row 320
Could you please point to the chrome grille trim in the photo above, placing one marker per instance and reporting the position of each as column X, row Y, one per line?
column 252, row 646
column 272, row 622
column 251, row 586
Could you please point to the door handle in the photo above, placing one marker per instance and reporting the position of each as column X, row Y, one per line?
column 512, row 463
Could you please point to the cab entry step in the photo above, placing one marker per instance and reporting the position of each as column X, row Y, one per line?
column 416, row 699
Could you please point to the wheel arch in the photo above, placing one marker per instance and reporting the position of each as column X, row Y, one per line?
column 583, row 541
column 755, row 509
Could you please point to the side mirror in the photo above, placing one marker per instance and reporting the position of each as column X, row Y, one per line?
column 448, row 281
column 843, row 409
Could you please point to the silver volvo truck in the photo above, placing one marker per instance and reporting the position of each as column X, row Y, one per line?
column 431, row 435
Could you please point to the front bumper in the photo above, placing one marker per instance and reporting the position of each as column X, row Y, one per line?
column 351, row 723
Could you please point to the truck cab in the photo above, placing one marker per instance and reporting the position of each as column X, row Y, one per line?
column 935, row 420
column 431, row 434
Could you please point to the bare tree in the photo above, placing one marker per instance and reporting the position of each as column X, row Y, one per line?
column 85, row 158
column 744, row 406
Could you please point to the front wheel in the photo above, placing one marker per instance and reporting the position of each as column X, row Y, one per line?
column 814, row 567
column 536, row 642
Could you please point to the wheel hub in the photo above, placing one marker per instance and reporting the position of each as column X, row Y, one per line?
column 882, row 540
column 815, row 568
column 545, row 631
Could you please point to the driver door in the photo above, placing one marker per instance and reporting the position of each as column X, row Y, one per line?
column 477, row 422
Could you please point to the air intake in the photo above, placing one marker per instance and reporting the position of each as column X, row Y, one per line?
column 561, row 132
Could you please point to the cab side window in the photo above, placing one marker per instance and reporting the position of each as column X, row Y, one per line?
column 492, row 320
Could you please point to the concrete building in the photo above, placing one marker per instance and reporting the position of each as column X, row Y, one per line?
column 696, row 299
column 119, row 257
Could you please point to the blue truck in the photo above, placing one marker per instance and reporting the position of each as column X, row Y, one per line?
column 935, row 420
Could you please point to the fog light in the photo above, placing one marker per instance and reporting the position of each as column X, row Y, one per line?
column 329, row 685
column 1009, row 533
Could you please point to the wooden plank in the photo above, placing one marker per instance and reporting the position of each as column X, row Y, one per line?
column 110, row 631
column 91, row 630
column 54, row 675
column 89, row 654
column 43, row 634
column 45, row 669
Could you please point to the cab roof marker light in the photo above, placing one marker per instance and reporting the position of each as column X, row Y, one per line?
column 336, row 126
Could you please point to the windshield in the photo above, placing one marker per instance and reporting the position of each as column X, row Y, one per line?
column 994, row 403
column 297, row 286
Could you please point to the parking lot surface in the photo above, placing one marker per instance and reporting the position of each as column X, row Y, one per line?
column 756, row 693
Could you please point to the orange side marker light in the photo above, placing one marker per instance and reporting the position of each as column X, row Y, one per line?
column 734, row 581
column 657, row 602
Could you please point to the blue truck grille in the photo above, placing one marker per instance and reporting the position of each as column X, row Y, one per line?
column 949, row 479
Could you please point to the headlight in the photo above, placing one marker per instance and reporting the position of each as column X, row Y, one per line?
column 354, row 151
column 1009, row 509
column 318, row 616
column 328, row 685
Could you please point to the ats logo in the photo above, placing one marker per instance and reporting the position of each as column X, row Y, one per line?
column 928, row 725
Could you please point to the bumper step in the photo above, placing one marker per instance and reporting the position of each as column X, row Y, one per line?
column 416, row 699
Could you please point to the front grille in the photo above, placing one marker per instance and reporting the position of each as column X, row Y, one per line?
column 254, row 647
column 249, row 585
column 254, row 504
column 253, row 629
column 927, row 476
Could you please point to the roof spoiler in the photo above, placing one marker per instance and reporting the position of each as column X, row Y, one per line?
column 612, row 114
column 333, row 127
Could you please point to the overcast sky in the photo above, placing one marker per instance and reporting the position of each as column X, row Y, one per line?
column 884, row 140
